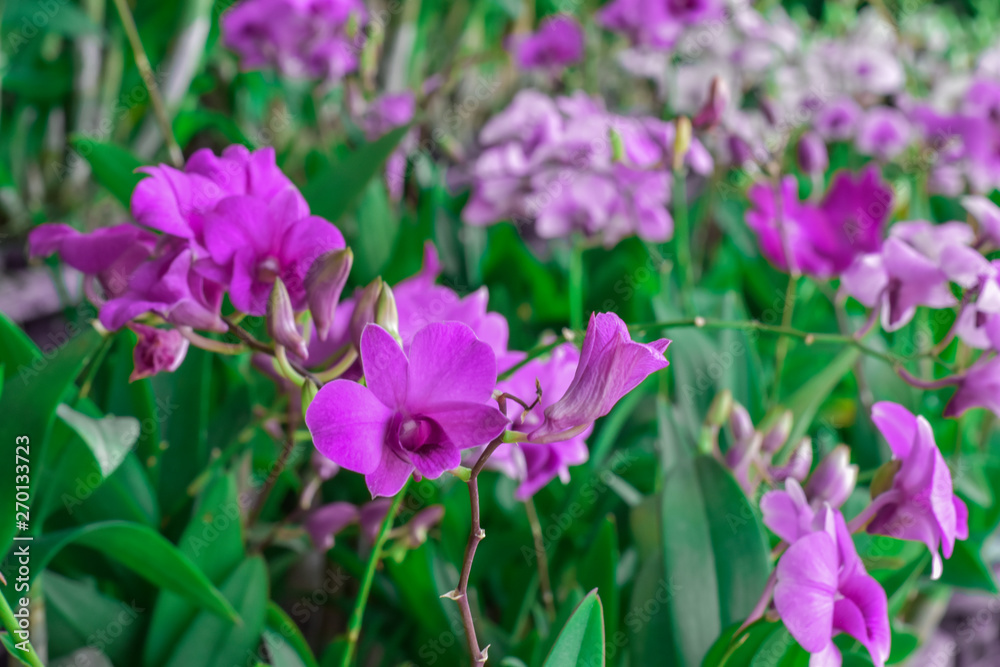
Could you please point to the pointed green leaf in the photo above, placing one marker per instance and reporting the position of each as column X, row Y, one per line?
column 581, row 641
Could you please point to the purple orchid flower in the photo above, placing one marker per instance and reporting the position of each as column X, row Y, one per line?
column 611, row 365
column 908, row 272
column 170, row 288
column 822, row 589
column 156, row 350
column 987, row 214
column 300, row 38
column 979, row 387
column 920, row 505
column 557, row 43
column 417, row 412
column 838, row 120
column 385, row 114
column 112, row 254
column 824, row 240
column 883, row 132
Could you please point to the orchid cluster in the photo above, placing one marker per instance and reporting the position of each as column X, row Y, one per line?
column 567, row 166
column 819, row 587
column 316, row 39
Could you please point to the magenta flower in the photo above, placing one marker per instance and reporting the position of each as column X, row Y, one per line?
column 812, row 154
column 920, row 505
column 168, row 287
column 611, row 365
column 531, row 464
column 300, row 38
column 384, row 115
column 557, row 43
column 656, row 23
column 824, row 240
column 112, row 254
column 822, row 590
column 156, row 350
column 417, row 412
column 979, row 387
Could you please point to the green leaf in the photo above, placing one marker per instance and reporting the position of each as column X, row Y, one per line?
column 213, row 541
column 598, row 569
column 211, row 641
column 61, row 17
column 581, row 641
column 142, row 550
column 30, row 398
column 710, row 568
column 966, row 569
column 337, row 189
column 376, row 227
column 109, row 439
column 113, row 166
column 287, row 646
column 76, row 611
column 806, row 401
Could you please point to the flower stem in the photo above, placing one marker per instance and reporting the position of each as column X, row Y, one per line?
column 10, row 624
column 682, row 240
column 354, row 624
column 576, row 284
column 541, row 558
column 146, row 71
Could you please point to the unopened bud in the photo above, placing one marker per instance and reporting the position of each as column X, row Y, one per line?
column 325, row 281
column 281, row 324
column 721, row 408
column 798, row 465
column 778, row 434
column 617, row 146
column 682, row 141
column 740, row 423
column 812, row 155
column 309, row 391
column 834, row 478
column 386, row 315
column 364, row 311
column 711, row 112
column 884, row 477
column 421, row 523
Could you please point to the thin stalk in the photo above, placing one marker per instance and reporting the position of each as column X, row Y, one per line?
column 682, row 240
column 541, row 558
column 10, row 624
column 358, row 614
column 576, row 284
column 146, row 71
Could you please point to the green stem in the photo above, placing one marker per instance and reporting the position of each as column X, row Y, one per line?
column 10, row 624
column 682, row 240
column 576, row 285
column 354, row 625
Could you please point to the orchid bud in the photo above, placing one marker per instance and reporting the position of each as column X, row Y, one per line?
column 324, row 283
column 812, row 155
column 740, row 423
column 711, row 112
column 281, row 324
column 721, row 408
column 328, row 520
column 364, row 311
column 156, row 350
column 617, row 146
column 798, row 465
column 682, row 141
column 834, row 478
column 309, row 391
column 421, row 523
column 739, row 150
column 386, row 314
column 778, row 434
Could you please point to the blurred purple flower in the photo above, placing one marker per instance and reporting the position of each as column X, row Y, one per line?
column 325, row 522
column 319, row 39
column 883, row 132
column 557, row 42
column 838, row 120
column 979, row 387
column 824, row 240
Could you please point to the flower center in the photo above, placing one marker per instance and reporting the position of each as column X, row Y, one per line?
column 268, row 270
